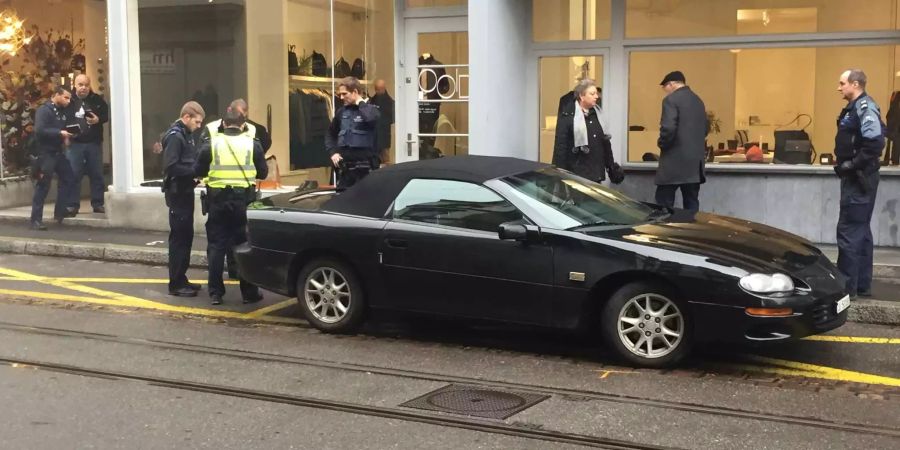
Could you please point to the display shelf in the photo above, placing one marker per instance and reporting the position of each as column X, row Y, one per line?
column 322, row 80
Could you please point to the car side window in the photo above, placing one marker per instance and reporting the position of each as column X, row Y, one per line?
column 454, row 204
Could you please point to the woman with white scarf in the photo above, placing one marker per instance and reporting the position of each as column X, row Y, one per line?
column 582, row 141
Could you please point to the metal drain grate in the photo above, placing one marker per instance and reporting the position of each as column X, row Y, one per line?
column 475, row 401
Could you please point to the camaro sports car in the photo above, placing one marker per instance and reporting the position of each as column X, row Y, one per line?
column 510, row 240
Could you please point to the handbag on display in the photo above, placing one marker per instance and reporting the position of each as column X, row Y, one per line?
column 319, row 65
column 341, row 68
column 359, row 69
column 293, row 63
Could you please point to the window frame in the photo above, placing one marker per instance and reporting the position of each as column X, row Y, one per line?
column 617, row 83
column 390, row 214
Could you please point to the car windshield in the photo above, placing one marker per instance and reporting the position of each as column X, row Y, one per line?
column 569, row 202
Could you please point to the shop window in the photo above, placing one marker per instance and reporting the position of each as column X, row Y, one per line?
column 570, row 20
column 757, row 97
column 42, row 48
column 558, row 76
column 283, row 58
column 453, row 204
column 443, row 107
column 697, row 18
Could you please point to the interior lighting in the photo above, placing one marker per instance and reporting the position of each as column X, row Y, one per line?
column 12, row 33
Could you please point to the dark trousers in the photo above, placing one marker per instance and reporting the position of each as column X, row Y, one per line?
column 87, row 158
column 690, row 195
column 225, row 229
column 355, row 167
column 49, row 165
column 854, row 232
column 181, row 236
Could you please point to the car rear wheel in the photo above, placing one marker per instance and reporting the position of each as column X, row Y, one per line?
column 330, row 296
column 646, row 326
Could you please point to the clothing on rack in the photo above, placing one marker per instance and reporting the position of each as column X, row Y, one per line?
column 310, row 112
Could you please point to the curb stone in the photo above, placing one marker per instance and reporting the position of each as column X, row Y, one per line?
column 99, row 252
column 863, row 311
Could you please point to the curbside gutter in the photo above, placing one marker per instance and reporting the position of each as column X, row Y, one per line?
column 862, row 311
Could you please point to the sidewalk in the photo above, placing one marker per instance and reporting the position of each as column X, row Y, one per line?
column 149, row 247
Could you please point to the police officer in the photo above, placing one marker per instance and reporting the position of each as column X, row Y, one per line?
column 351, row 137
column 858, row 146
column 232, row 160
column 51, row 139
column 180, row 155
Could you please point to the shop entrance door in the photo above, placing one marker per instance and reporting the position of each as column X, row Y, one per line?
column 436, row 83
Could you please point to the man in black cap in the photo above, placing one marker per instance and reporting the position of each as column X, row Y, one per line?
column 682, row 144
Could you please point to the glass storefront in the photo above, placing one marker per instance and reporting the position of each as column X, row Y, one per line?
column 41, row 48
column 757, row 96
column 285, row 57
column 570, row 20
column 705, row 18
column 558, row 76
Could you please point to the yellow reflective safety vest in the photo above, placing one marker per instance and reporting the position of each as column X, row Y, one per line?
column 213, row 129
column 232, row 161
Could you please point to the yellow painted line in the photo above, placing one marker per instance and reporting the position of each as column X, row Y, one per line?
column 133, row 280
column 116, row 299
column 10, row 279
column 271, row 308
column 794, row 368
column 854, row 339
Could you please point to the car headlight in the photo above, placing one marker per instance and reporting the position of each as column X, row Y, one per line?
column 761, row 283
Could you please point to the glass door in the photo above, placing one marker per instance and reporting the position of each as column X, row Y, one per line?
column 436, row 100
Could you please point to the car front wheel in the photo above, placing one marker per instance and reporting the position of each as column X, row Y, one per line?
column 646, row 326
column 330, row 296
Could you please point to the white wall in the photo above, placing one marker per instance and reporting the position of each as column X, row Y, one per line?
column 499, row 37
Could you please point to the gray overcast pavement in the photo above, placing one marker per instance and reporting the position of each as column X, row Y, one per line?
column 57, row 410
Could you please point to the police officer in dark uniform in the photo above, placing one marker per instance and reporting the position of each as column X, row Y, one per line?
column 232, row 160
column 180, row 154
column 51, row 139
column 858, row 146
column 351, row 137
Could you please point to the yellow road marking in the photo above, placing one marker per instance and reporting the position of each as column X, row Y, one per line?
column 116, row 299
column 268, row 309
column 854, row 339
column 603, row 373
column 794, row 368
column 113, row 280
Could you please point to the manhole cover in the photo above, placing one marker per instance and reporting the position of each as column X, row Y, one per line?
column 475, row 401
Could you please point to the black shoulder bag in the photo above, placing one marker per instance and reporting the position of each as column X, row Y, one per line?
column 251, row 194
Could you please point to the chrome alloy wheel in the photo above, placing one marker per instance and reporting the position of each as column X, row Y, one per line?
column 650, row 325
column 327, row 294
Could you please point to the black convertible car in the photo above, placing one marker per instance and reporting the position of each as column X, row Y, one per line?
column 519, row 241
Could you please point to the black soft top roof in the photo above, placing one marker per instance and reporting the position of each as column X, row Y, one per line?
column 372, row 196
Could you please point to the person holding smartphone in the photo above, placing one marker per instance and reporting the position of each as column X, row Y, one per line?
column 89, row 112
column 52, row 139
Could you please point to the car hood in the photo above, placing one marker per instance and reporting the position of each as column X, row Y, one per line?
column 730, row 241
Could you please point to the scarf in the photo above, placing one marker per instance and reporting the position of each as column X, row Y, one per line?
column 580, row 127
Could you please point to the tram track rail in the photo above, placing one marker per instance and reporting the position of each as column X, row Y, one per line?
column 565, row 393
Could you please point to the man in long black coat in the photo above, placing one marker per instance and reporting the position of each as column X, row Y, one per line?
column 682, row 144
column 385, row 105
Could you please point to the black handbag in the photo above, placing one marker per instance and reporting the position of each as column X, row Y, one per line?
column 293, row 63
column 319, row 66
column 359, row 69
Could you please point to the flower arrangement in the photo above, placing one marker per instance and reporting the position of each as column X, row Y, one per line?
column 22, row 91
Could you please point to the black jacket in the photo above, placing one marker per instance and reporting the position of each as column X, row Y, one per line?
column 95, row 104
column 682, row 139
column 860, row 134
column 204, row 157
column 365, row 117
column 592, row 165
column 49, row 121
column 385, row 105
column 179, row 152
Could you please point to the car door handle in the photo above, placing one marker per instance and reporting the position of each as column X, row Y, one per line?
column 396, row 243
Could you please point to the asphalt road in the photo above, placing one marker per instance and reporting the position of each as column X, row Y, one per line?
column 95, row 354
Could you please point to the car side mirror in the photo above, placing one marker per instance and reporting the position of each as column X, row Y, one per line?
column 512, row 231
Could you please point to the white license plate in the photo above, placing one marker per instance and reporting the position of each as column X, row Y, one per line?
column 843, row 304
